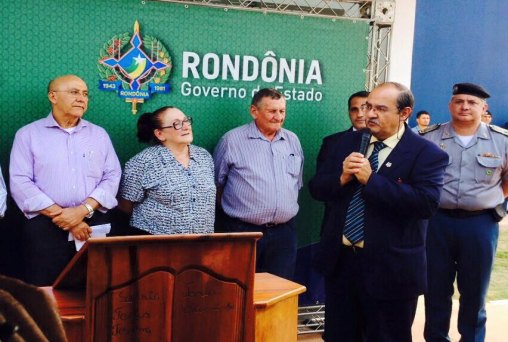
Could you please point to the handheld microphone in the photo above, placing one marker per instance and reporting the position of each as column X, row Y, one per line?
column 364, row 143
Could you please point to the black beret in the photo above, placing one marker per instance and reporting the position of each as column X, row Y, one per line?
column 470, row 89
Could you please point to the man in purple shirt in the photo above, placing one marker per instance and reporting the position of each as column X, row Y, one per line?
column 64, row 176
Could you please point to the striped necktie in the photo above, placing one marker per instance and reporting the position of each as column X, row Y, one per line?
column 353, row 229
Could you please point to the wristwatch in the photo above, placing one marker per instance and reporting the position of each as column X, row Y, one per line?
column 90, row 210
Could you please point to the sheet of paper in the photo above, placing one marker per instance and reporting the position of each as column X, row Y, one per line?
column 97, row 231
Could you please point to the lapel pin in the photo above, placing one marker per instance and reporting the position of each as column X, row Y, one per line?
column 388, row 164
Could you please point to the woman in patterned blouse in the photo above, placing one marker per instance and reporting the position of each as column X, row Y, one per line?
column 169, row 187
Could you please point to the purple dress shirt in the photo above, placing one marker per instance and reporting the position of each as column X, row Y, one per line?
column 3, row 195
column 50, row 165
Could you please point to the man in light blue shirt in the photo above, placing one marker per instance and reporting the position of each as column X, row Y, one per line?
column 462, row 236
column 258, row 173
column 422, row 121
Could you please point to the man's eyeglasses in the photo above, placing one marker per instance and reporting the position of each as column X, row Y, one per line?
column 379, row 109
column 179, row 124
column 73, row 92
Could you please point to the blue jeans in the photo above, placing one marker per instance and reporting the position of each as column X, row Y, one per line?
column 276, row 250
column 462, row 247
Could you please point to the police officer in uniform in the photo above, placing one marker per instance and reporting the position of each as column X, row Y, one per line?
column 462, row 236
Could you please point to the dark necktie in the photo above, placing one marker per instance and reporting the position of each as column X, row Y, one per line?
column 353, row 229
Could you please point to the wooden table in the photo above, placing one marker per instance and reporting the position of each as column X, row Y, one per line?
column 276, row 305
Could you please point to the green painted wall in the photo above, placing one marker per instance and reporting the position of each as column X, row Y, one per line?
column 46, row 38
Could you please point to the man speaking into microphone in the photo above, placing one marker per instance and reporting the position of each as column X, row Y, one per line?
column 372, row 249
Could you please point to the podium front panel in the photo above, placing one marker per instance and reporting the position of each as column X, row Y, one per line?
column 140, row 311
column 207, row 308
column 168, row 288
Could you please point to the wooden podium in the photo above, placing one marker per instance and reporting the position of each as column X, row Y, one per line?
column 160, row 288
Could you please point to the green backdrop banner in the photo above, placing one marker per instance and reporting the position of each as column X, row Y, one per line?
column 219, row 57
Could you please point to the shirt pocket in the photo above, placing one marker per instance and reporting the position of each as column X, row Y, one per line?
column 294, row 164
column 487, row 169
column 93, row 164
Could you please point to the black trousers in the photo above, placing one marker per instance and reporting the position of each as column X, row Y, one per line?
column 46, row 249
column 353, row 315
column 276, row 250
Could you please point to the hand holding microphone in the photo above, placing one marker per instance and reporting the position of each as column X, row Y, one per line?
column 356, row 161
column 364, row 143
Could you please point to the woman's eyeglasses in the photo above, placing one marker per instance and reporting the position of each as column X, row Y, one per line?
column 179, row 124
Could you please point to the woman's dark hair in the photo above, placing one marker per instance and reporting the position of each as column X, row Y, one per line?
column 147, row 123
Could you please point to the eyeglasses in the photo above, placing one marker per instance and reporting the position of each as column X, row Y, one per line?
column 73, row 92
column 179, row 124
column 378, row 109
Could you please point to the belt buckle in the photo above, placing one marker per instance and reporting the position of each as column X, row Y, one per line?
column 270, row 224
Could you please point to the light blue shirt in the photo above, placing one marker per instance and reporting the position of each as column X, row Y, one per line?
column 475, row 173
column 260, row 178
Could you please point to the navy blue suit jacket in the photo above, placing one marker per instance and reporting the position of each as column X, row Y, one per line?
column 326, row 151
column 399, row 200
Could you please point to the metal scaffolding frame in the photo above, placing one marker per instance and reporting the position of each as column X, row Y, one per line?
column 382, row 17
column 311, row 319
column 379, row 14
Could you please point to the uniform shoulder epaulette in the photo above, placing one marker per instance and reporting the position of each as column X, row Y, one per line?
column 430, row 129
column 499, row 130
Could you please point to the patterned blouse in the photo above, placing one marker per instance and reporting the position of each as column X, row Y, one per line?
column 169, row 198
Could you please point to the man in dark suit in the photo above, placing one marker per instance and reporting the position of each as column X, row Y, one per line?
column 356, row 110
column 372, row 249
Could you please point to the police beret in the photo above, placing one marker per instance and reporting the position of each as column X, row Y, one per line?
column 470, row 89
